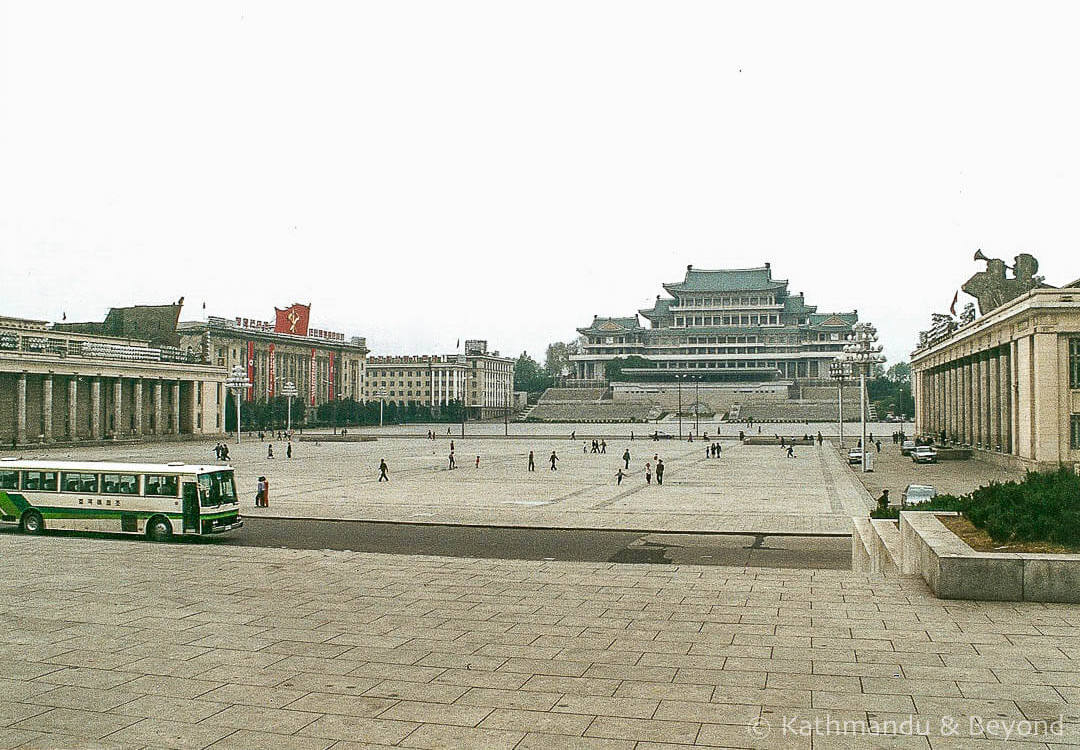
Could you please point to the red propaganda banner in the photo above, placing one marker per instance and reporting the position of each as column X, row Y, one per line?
column 251, row 371
column 330, row 376
column 292, row 320
column 271, row 368
column 311, row 380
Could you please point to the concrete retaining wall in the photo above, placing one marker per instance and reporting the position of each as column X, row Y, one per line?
column 923, row 546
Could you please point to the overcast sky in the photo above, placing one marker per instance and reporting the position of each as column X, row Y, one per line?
column 423, row 172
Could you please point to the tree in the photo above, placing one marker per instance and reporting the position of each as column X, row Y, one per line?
column 899, row 373
column 613, row 368
column 528, row 376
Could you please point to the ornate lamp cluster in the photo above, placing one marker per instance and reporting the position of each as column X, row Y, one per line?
column 238, row 382
column 861, row 353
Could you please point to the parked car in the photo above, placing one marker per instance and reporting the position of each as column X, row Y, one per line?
column 854, row 456
column 924, row 454
column 917, row 493
column 907, row 447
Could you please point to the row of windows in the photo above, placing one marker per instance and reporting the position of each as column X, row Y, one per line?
column 726, row 301
column 83, row 482
column 1074, row 432
column 727, row 320
column 1074, row 364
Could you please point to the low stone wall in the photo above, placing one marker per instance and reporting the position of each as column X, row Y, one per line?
column 771, row 440
column 923, row 546
column 323, row 438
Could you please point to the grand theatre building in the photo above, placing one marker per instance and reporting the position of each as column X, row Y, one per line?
column 324, row 365
column 738, row 326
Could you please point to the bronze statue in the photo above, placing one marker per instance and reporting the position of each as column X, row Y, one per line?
column 992, row 288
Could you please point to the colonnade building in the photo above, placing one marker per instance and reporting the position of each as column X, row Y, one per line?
column 1008, row 383
column 66, row 383
column 482, row 381
column 323, row 365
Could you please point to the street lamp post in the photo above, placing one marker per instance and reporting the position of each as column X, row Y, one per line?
column 289, row 391
column 678, row 380
column 863, row 352
column 237, row 382
column 697, row 407
column 840, row 371
column 382, row 396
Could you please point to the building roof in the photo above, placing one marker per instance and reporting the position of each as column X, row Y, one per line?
column 660, row 308
column 846, row 319
column 726, row 280
column 612, row 325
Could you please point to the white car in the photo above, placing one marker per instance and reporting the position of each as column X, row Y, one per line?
column 907, row 447
column 854, row 456
column 924, row 454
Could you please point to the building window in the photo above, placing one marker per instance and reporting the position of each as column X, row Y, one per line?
column 1075, row 432
column 1074, row 364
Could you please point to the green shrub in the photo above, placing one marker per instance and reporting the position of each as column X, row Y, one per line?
column 1043, row 507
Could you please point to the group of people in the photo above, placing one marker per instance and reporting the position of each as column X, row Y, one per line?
column 598, row 446
column 713, row 450
column 280, row 434
column 288, row 450
column 221, row 452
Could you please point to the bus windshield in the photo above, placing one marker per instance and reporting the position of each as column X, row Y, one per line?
column 218, row 487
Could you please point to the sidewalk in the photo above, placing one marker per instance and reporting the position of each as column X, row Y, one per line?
column 126, row 644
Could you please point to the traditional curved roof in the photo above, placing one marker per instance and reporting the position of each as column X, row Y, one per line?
column 726, row 280
column 660, row 308
column 612, row 325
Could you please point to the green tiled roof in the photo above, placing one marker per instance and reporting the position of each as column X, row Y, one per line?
column 661, row 308
column 849, row 318
column 605, row 325
column 732, row 280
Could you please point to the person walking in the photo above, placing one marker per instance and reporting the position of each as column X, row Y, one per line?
column 603, row 446
column 382, row 471
column 618, row 476
column 269, row 450
column 584, row 447
column 453, row 465
column 532, row 462
column 573, row 435
column 626, row 458
column 451, row 446
column 260, row 488
column 660, row 471
column 553, row 459
column 224, row 452
column 648, row 473
column 790, row 452
column 478, row 462
column 288, row 450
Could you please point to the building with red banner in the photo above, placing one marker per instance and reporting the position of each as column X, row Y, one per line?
column 323, row 365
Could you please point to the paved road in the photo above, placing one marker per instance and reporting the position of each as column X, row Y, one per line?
column 769, row 551
column 760, row 551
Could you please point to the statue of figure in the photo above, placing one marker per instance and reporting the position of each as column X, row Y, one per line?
column 989, row 286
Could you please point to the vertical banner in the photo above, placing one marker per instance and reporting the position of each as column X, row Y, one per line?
column 330, row 377
column 311, row 379
column 271, row 372
column 251, row 371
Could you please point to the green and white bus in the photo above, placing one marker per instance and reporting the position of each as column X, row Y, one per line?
column 158, row 500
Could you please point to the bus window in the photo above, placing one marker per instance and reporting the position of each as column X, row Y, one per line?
column 120, row 484
column 79, row 482
column 39, row 480
column 9, row 480
column 161, row 484
column 218, row 488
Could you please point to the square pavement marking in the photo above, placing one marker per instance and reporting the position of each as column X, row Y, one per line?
column 654, row 674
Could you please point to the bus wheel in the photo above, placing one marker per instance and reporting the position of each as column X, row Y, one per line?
column 159, row 530
column 32, row 522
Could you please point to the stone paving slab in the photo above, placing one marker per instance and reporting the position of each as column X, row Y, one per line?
column 125, row 644
column 750, row 489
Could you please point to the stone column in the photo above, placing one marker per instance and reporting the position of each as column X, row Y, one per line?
column 47, row 407
column 20, row 409
column 965, row 409
column 196, row 407
column 138, row 406
column 990, row 400
column 95, row 409
column 176, row 408
column 73, row 408
column 159, row 428
column 995, row 401
column 1006, row 400
column 118, row 407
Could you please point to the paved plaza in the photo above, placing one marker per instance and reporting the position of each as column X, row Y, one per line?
column 125, row 644
column 750, row 489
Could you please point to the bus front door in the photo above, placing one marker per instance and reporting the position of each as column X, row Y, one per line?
column 191, row 508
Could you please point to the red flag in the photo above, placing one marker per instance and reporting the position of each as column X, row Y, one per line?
column 292, row 319
column 955, row 299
